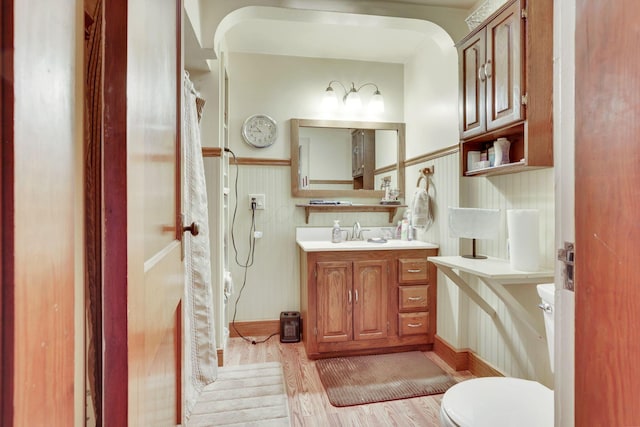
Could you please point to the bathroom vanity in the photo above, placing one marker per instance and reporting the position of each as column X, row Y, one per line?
column 359, row 297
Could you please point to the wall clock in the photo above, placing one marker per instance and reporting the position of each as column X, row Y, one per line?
column 259, row 131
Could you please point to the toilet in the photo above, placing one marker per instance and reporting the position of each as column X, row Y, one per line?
column 503, row 401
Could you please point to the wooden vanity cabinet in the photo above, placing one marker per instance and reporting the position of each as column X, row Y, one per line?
column 365, row 302
column 506, row 86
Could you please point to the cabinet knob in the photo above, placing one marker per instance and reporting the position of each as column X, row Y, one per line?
column 481, row 73
column 488, row 72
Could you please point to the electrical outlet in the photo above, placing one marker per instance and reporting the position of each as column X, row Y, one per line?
column 260, row 200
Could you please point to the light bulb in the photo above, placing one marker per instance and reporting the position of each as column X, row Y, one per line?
column 330, row 100
column 376, row 104
column 352, row 102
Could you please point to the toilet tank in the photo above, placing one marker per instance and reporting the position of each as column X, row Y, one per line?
column 547, row 304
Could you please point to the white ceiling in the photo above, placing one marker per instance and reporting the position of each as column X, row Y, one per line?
column 348, row 39
column 318, row 40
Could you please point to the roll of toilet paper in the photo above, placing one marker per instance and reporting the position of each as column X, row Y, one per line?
column 524, row 239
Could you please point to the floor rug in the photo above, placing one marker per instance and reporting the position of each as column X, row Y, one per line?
column 366, row 379
column 244, row 395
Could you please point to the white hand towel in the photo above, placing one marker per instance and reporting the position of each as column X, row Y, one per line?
column 421, row 209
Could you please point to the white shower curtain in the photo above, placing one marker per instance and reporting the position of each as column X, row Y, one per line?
column 201, row 365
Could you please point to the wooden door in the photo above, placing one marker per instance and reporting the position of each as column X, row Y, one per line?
column 40, row 220
column 503, row 68
column 370, row 287
column 334, row 296
column 472, row 54
column 143, row 272
column 607, row 344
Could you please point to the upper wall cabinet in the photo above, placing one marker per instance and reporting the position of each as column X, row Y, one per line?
column 506, row 88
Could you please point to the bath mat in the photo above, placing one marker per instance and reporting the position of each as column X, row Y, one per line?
column 358, row 380
column 244, row 395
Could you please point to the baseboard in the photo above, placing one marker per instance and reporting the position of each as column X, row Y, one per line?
column 481, row 368
column 464, row 359
column 457, row 359
column 258, row 328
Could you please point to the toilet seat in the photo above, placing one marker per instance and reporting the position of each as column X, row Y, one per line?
column 498, row 401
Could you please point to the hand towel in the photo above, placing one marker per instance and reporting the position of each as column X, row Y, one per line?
column 421, row 209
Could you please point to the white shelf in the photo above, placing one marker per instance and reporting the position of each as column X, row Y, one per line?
column 496, row 273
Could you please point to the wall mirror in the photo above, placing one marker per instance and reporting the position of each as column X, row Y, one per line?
column 345, row 159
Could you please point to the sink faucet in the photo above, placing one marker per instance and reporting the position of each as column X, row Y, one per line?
column 356, row 231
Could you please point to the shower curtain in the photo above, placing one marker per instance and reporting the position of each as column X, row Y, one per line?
column 200, row 357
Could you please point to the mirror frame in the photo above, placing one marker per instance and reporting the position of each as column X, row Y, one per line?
column 296, row 124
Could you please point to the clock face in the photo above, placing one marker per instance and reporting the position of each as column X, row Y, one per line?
column 259, row 131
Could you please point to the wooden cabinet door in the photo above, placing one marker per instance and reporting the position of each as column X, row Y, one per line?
column 503, row 68
column 370, row 299
column 357, row 153
column 472, row 88
column 334, row 295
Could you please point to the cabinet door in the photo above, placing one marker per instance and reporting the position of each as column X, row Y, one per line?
column 334, row 301
column 503, row 68
column 357, row 150
column 472, row 88
column 370, row 299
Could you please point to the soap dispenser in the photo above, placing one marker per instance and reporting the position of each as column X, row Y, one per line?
column 336, row 234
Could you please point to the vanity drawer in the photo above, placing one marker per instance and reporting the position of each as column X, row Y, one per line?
column 413, row 298
column 413, row 270
column 413, row 323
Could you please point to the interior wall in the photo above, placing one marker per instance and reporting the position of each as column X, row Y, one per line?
column 513, row 350
column 431, row 113
column 266, row 84
column 431, row 98
column 286, row 87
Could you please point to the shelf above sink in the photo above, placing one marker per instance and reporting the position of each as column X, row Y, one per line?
column 309, row 208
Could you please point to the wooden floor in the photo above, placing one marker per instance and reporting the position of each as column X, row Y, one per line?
column 308, row 402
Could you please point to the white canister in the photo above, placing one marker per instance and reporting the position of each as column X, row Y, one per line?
column 501, row 146
column 473, row 157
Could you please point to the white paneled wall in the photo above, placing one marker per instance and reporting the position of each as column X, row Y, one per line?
column 272, row 282
column 505, row 343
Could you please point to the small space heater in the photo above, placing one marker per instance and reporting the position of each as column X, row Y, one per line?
column 289, row 326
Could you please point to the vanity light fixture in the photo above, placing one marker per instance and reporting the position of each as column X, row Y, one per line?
column 351, row 98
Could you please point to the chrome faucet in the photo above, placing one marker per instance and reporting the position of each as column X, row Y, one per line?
column 356, row 231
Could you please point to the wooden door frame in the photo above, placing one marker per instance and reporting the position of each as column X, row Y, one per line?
column 7, row 283
column 115, row 396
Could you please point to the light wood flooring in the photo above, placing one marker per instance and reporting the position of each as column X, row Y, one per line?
column 308, row 402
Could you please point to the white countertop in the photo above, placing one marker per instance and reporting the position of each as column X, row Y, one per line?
column 362, row 245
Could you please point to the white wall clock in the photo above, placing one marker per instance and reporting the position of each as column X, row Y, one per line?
column 259, row 131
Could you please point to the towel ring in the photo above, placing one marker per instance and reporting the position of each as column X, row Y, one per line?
column 424, row 174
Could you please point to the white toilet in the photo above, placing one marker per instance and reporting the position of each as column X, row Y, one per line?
column 502, row 401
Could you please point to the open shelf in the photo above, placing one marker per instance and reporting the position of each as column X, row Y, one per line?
column 309, row 208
